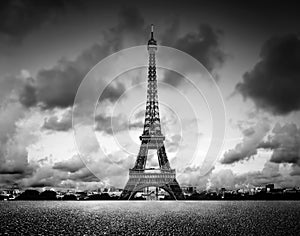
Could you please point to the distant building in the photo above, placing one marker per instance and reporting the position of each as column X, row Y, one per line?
column 270, row 187
column 188, row 190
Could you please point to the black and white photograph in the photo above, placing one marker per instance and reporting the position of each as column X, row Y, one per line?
column 149, row 117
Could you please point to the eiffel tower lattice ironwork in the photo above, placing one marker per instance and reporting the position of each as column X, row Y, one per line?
column 152, row 138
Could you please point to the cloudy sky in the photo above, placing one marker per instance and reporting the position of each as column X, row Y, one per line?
column 252, row 51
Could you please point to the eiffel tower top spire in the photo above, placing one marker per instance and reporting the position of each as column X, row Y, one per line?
column 151, row 40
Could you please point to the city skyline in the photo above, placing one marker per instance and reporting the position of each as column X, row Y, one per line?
column 253, row 53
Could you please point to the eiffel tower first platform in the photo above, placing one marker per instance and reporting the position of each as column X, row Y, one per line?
column 164, row 177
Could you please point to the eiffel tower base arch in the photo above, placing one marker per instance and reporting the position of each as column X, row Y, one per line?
column 140, row 179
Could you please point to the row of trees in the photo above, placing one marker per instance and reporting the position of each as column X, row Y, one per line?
column 244, row 196
column 52, row 195
column 36, row 195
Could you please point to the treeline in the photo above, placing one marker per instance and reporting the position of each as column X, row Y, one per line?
column 205, row 195
column 244, row 196
column 52, row 195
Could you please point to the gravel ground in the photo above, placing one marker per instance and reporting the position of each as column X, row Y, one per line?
column 150, row 218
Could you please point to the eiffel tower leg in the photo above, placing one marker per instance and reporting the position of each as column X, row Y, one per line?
column 128, row 191
column 142, row 157
column 176, row 190
column 162, row 157
column 167, row 188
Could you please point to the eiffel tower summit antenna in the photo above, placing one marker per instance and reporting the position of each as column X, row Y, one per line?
column 152, row 138
column 152, row 31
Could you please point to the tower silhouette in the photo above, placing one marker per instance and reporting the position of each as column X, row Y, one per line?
column 152, row 138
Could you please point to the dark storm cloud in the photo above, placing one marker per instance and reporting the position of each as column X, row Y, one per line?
column 253, row 137
column 15, row 170
column 63, row 174
column 55, row 123
column 13, row 144
column 57, row 87
column 131, row 26
column 204, row 45
column 72, row 165
column 111, row 124
column 20, row 18
column 9, row 115
column 248, row 132
column 269, row 174
column 42, row 177
column 274, row 82
column 285, row 143
column 84, row 175
column 136, row 125
column 295, row 170
column 170, row 35
column 27, row 93
column 119, row 123
column 7, row 85
column 113, row 92
column 138, row 120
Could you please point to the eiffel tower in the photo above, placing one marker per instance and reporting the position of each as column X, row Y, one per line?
column 164, row 177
